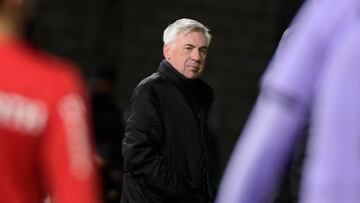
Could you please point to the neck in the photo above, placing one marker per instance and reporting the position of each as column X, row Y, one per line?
column 11, row 19
column 8, row 28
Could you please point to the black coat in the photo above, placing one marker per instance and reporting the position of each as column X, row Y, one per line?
column 165, row 147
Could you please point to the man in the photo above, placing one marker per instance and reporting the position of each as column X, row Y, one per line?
column 45, row 146
column 314, row 79
column 165, row 146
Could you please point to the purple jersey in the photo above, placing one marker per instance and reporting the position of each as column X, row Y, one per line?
column 314, row 77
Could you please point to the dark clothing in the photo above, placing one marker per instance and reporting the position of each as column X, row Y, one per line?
column 107, row 125
column 165, row 147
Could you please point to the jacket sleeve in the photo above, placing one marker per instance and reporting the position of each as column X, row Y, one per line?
column 142, row 146
column 260, row 155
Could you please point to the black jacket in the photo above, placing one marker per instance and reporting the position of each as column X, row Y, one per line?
column 165, row 147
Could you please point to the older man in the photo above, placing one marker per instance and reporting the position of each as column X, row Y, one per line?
column 165, row 146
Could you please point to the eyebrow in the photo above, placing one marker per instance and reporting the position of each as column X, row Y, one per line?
column 203, row 47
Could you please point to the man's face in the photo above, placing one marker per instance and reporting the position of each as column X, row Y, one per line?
column 187, row 53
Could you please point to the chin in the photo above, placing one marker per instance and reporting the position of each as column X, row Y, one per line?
column 193, row 77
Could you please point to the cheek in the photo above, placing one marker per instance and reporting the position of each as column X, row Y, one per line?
column 201, row 69
column 182, row 60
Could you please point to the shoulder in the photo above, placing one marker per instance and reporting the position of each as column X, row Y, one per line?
column 63, row 70
column 63, row 79
column 153, row 80
column 45, row 67
column 59, row 79
column 154, row 83
column 37, row 73
column 59, row 73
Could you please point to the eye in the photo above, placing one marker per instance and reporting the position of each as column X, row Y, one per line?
column 188, row 48
column 203, row 51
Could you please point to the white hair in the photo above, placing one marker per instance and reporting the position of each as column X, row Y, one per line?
column 185, row 25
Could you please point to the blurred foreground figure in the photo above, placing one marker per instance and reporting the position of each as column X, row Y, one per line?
column 45, row 148
column 314, row 78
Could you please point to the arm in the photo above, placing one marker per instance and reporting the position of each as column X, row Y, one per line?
column 67, row 149
column 262, row 151
column 142, row 145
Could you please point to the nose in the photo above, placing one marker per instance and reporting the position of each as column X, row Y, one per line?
column 196, row 55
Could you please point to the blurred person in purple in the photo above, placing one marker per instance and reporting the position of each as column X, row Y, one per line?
column 313, row 78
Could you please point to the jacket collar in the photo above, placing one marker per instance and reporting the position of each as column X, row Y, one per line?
column 195, row 87
column 175, row 76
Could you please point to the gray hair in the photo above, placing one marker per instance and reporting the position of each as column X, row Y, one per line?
column 185, row 25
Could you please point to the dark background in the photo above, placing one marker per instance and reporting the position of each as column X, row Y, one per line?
column 121, row 41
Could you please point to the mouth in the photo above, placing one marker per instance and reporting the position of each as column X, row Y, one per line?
column 194, row 68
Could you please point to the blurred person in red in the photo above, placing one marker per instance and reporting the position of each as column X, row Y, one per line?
column 45, row 144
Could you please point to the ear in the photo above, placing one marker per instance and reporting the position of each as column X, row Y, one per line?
column 166, row 51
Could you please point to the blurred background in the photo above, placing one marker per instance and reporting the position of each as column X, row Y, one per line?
column 116, row 43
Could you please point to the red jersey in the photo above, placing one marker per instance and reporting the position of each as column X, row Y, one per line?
column 45, row 144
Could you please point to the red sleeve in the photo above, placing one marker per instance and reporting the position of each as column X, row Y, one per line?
column 67, row 154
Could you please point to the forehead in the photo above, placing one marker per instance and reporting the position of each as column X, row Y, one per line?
column 192, row 37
